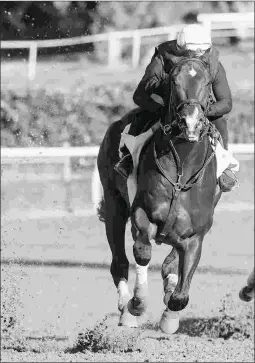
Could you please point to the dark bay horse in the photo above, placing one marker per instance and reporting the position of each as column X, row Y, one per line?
column 176, row 195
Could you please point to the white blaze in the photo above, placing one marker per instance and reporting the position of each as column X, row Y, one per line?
column 192, row 120
column 192, row 72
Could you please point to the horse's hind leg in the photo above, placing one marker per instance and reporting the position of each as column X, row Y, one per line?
column 116, row 216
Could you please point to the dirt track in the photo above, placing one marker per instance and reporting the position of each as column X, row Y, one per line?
column 57, row 300
column 63, row 287
column 215, row 327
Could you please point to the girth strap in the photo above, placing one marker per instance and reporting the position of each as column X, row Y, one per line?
column 177, row 187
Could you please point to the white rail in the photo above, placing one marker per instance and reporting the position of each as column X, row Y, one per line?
column 221, row 25
column 63, row 156
column 59, row 155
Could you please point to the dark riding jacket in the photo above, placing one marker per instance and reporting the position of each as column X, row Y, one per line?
column 155, row 78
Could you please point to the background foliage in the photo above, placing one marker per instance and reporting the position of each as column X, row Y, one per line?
column 58, row 19
column 51, row 118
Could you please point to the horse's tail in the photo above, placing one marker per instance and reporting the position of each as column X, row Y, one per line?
column 101, row 210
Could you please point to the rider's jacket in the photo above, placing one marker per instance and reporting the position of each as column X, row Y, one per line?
column 155, row 79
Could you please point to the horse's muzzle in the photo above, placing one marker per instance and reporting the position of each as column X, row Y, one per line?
column 190, row 137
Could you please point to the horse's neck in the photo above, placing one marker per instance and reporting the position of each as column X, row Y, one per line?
column 183, row 149
column 192, row 153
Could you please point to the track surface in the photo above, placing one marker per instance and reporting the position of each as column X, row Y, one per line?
column 62, row 267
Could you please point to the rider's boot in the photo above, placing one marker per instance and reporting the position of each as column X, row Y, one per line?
column 125, row 166
column 228, row 181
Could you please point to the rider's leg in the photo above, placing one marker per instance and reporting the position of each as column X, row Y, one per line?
column 228, row 180
column 125, row 165
column 221, row 125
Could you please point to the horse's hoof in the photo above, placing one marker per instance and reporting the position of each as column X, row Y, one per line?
column 126, row 319
column 246, row 294
column 137, row 306
column 169, row 322
column 167, row 297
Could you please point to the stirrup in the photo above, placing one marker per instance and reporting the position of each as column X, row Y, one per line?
column 122, row 170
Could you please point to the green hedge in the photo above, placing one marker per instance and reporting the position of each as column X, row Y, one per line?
column 44, row 118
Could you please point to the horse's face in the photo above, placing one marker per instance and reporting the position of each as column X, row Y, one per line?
column 190, row 96
column 190, row 120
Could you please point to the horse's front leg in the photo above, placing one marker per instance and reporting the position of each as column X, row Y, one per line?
column 169, row 322
column 143, row 231
column 189, row 256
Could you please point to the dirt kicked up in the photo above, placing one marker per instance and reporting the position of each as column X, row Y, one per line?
column 59, row 303
column 218, row 331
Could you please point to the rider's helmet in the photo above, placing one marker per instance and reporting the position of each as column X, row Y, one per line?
column 194, row 37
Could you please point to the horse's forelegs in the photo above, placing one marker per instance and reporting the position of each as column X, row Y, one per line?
column 116, row 216
column 142, row 234
column 189, row 256
column 169, row 322
column 142, row 253
column 169, row 273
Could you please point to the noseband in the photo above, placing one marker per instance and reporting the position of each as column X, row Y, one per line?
column 172, row 108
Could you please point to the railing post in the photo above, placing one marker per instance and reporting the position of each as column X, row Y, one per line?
column 114, row 50
column 67, row 174
column 136, row 49
column 32, row 61
column 96, row 188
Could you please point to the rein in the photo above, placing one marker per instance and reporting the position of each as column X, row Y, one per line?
column 178, row 186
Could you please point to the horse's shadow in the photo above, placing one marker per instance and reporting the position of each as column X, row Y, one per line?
column 193, row 327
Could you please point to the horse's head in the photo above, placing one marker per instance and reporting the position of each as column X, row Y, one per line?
column 189, row 100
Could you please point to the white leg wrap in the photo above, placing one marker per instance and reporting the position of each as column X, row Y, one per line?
column 124, row 295
column 123, row 289
column 170, row 281
column 169, row 284
column 141, row 274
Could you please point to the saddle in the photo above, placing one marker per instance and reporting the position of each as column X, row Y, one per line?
column 139, row 120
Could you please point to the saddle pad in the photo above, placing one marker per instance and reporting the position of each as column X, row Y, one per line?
column 224, row 158
column 135, row 145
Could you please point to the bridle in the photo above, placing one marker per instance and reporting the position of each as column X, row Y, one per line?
column 179, row 186
column 174, row 109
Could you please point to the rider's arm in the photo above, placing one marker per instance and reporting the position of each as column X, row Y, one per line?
column 222, row 94
column 154, row 74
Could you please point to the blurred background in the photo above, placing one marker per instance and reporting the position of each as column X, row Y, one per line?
column 69, row 69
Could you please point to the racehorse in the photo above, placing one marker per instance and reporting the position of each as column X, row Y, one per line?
column 176, row 194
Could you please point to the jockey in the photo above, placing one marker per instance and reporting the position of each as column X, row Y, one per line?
column 152, row 92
